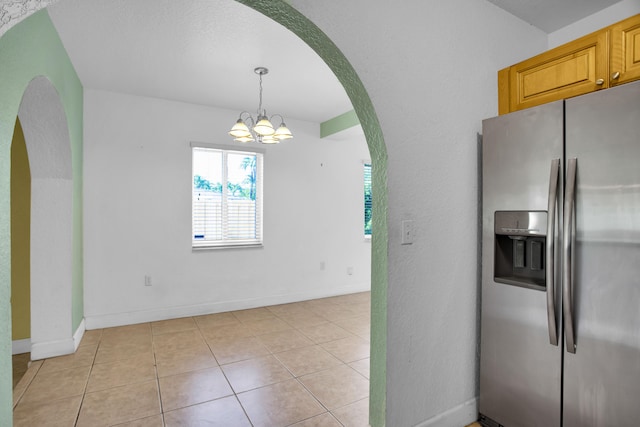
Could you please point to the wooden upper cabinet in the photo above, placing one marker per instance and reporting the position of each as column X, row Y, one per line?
column 572, row 69
column 625, row 51
column 597, row 61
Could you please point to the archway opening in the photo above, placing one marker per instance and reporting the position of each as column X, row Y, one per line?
column 284, row 14
column 297, row 23
column 20, row 254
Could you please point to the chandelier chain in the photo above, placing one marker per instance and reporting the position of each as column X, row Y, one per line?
column 260, row 102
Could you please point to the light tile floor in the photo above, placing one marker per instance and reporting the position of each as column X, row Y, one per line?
column 20, row 364
column 302, row 364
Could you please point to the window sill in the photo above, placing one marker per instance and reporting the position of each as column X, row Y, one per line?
column 217, row 247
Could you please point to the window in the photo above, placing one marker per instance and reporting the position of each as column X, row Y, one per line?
column 367, row 200
column 227, row 197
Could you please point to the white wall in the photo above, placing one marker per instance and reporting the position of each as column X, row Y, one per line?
column 137, row 195
column 431, row 70
column 604, row 18
column 47, row 139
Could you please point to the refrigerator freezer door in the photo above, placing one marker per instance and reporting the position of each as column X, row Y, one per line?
column 519, row 369
column 602, row 379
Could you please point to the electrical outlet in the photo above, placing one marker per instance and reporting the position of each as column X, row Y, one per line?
column 350, row 271
column 147, row 280
column 323, row 265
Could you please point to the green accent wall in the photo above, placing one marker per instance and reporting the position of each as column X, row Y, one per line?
column 20, row 237
column 297, row 23
column 339, row 123
column 32, row 48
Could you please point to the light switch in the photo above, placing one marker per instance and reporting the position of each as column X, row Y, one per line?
column 407, row 232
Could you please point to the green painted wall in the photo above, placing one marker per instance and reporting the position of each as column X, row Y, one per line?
column 339, row 123
column 20, row 237
column 30, row 49
column 286, row 15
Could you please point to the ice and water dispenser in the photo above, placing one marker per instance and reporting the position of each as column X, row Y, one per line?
column 520, row 245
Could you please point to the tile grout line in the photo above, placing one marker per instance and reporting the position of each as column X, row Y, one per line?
column 155, row 369
column 84, row 393
column 243, row 408
column 314, row 343
column 26, row 386
column 224, row 374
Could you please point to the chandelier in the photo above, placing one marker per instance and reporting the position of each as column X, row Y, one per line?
column 259, row 129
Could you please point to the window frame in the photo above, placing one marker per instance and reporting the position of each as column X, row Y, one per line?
column 258, row 242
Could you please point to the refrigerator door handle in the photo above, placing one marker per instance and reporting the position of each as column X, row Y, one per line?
column 550, row 268
column 569, row 206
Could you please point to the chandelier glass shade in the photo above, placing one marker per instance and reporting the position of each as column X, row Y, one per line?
column 260, row 129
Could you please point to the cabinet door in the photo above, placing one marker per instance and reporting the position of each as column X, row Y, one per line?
column 625, row 51
column 572, row 69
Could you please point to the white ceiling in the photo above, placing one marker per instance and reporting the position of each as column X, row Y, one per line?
column 204, row 52
column 197, row 51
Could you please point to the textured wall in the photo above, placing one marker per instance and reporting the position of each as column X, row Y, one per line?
column 13, row 12
column 430, row 70
column 45, row 127
column 32, row 49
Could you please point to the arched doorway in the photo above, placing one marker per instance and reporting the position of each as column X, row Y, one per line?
column 297, row 23
column 50, row 110
column 289, row 17
column 48, row 146
column 20, row 255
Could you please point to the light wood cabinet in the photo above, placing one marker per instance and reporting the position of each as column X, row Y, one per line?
column 597, row 61
column 625, row 51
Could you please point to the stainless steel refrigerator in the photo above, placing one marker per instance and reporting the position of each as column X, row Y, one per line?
column 560, row 319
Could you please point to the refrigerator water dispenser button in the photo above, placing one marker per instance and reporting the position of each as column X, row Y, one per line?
column 518, row 253
column 536, row 255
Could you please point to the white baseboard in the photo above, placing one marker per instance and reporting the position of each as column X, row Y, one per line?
column 46, row 349
column 164, row 313
column 54, row 348
column 461, row 415
column 21, row 346
column 77, row 336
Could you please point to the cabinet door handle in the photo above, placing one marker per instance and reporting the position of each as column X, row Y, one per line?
column 615, row 75
column 600, row 82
